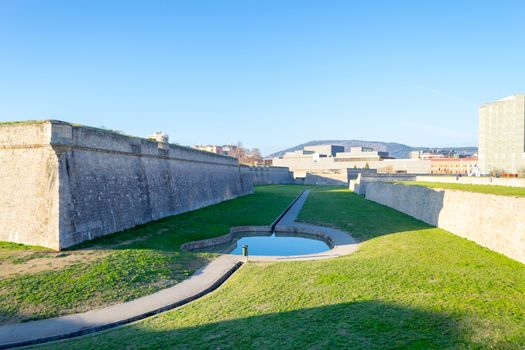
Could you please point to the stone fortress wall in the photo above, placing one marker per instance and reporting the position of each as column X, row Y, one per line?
column 267, row 175
column 473, row 180
column 359, row 181
column 61, row 184
column 495, row 222
column 336, row 177
column 29, row 185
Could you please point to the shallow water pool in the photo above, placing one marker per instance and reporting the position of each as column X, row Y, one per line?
column 272, row 244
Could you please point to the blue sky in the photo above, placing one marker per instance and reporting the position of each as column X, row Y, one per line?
column 271, row 74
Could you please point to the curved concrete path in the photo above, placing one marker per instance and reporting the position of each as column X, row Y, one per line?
column 343, row 243
column 200, row 283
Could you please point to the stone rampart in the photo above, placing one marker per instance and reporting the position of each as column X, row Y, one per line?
column 495, row 222
column 29, row 185
column 326, row 179
column 474, row 180
column 62, row 184
column 359, row 183
column 267, row 175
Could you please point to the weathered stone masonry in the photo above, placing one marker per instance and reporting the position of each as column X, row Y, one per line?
column 495, row 222
column 267, row 175
column 61, row 184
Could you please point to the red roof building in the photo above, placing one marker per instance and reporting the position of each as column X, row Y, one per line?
column 453, row 166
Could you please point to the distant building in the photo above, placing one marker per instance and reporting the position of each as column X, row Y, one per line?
column 210, row 148
column 453, row 166
column 267, row 161
column 328, row 150
column 162, row 138
column 424, row 155
column 414, row 154
column 502, row 135
column 313, row 159
column 361, row 154
column 244, row 156
column 159, row 136
column 230, row 150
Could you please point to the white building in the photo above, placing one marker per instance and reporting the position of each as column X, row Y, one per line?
column 310, row 161
column 502, row 135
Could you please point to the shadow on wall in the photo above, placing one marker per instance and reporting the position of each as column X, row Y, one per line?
column 492, row 221
column 167, row 234
column 314, row 179
column 358, row 325
column 358, row 182
column 417, row 201
column 364, row 219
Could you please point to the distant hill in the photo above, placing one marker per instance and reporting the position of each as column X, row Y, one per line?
column 397, row 150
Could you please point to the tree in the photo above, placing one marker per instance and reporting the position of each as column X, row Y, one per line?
column 367, row 166
column 237, row 151
column 255, row 155
column 244, row 155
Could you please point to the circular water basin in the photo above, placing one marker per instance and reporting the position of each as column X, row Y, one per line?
column 272, row 244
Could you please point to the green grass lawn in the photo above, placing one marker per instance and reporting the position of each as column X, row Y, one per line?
column 490, row 189
column 410, row 286
column 125, row 265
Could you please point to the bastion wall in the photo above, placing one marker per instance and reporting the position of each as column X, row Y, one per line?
column 495, row 222
column 267, row 175
column 358, row 182
column 474, row 180
column 327, row 178
column 29, row 185
column 62, row 184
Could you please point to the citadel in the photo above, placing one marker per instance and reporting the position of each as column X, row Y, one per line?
column 62, row 183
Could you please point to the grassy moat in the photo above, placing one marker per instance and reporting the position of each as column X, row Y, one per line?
column 409, row 286
column 39, row 283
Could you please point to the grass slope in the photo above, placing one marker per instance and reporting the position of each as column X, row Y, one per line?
column 133, row 263
column 410, row 286
column 490, row 189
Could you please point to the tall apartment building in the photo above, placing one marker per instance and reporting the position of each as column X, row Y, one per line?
column 502, row 135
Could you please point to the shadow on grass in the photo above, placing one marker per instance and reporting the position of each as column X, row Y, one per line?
column 358, row 325
column 363, row 218
column 127, row 264
column 169, row 233
column 326, row 206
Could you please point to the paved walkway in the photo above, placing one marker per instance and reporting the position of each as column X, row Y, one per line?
column 343, row 243
column 200, row 283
